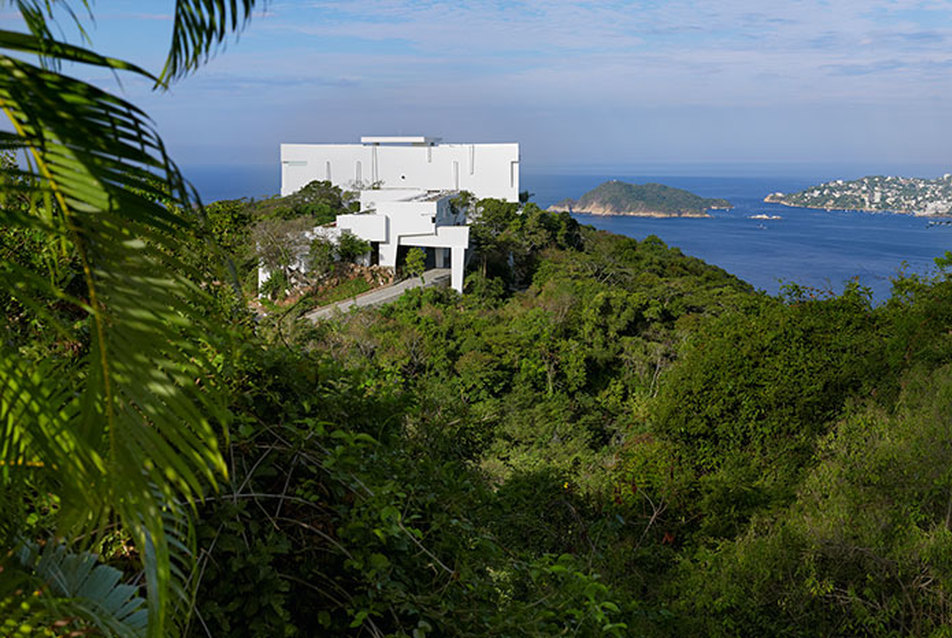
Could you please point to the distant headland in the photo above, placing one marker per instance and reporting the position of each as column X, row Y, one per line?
column 906, row 195
column 642, row 200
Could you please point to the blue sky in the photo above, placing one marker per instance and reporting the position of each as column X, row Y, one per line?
column 680, row 86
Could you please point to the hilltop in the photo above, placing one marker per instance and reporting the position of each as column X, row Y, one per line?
column 908, row 195
column 646, row 200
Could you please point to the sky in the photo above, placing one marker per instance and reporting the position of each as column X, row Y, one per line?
column 728, row 87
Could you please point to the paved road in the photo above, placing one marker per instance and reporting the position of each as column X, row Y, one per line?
column 384, row 295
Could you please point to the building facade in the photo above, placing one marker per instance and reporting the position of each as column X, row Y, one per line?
column 406, row 185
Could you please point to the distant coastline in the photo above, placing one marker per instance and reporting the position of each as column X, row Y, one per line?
column 851, row 209
column 771, row 199
column 875, row 194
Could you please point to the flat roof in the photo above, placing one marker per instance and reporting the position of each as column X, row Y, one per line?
column 398, row 139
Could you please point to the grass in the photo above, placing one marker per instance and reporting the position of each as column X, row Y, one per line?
column 345, row 290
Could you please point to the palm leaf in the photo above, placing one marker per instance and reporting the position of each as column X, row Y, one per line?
column 36, row 15
column 132, row 432
column 201, row 26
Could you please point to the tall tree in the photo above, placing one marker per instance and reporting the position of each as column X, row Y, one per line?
column 127, row 432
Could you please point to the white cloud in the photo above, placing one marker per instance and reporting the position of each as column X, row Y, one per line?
column 735, row 48
column 593, row 76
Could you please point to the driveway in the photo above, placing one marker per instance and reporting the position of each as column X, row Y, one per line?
column 383, row 295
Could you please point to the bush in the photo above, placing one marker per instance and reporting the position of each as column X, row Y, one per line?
column 415, row 262
column 350, row 247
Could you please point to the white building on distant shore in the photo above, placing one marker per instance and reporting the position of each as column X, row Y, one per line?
column 405, row 186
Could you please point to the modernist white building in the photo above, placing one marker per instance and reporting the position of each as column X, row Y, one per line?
column 405, row 186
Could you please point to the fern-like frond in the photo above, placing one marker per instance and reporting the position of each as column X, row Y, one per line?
column 74, row 592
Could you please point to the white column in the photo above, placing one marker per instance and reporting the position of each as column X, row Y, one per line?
column 263, row 276
column 388, row 253
column 458, row 256
column 441, row 260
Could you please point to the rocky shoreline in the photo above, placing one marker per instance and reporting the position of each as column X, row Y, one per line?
column 769, row 199
column 606, row 212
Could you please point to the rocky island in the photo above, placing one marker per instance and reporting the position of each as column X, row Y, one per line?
column 644, row 200
column 908, row 195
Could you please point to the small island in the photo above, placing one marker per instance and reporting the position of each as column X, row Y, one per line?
column 641, row 200
column 906, row 195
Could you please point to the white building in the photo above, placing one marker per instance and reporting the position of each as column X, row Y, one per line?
column 405, row 185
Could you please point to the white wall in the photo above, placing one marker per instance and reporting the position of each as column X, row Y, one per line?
column 486, row 170
column 410, row 218
column 367, row 227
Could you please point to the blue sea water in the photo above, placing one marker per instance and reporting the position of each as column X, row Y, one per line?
column 215, row 182
column 812, row 248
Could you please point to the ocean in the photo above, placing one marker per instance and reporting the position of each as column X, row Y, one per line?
column 818, row 249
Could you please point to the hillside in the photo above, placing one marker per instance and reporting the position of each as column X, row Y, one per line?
column 909, row 195
column 602, row 437
column 647, row 200
column 607, row 437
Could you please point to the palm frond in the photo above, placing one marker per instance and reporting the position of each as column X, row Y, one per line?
column 201, row 26
column 30, row 393
column 134, row 431
column 37, row 16
column 62, row 51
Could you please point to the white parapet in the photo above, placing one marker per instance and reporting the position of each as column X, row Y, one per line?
column 399, row 139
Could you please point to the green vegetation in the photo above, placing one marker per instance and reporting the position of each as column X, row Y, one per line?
column 609, row 438
column 622, row 198
column 279, row 244
column 602, row 437
column 431, row 467
column 319, row 201
column 346, row 290
column 415, row 263
column 350, row 247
